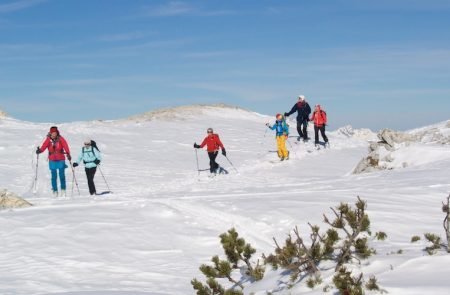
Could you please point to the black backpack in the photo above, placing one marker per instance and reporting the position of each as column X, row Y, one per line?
column 94, row 145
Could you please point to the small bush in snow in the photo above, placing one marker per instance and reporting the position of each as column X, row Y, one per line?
column 372, row 284
column 354, row 223
column 415, row 239
column 435, row 241
column 345, row 240
column 238, row 254
column 313, row 281
column 347, row 284
column 381, row 236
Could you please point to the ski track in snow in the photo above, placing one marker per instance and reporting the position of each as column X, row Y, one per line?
column 163, row 220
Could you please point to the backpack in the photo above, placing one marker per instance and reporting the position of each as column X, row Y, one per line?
column 93, row 146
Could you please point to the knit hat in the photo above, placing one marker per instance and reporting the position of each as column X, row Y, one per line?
column 54, row 129
column 301, row 97
column 279, row 115
column 87, row 140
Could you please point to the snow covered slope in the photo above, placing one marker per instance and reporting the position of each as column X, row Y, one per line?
column 163, row 220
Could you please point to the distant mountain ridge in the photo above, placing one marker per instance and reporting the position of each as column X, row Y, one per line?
column 189, row 111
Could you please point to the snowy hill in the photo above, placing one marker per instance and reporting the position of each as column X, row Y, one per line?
column 193, row 111
column 163, row 220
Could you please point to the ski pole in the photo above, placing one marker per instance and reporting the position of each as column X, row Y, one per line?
column 196, row 158
column 36, row 174
column 292, row 148
column 74, row 179
column 104, row 178
column 232, row 164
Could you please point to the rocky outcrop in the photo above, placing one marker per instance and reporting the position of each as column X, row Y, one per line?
column 380, row 151
column 389, row 138
column 9, row 200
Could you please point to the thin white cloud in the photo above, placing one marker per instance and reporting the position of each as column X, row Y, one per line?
column 209, row 54
column 170, row 9
column 19, row 5
column 177, row 8
column 398, row 5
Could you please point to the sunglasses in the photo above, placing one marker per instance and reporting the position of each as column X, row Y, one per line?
column 87, row 144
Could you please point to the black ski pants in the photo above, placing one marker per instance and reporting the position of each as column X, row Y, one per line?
column 212, row 161
column 302, row 128
column 322, row 132
column 90, row 173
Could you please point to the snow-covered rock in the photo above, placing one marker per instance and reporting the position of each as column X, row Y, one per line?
column 9, row 200
column 438, row 133
column 397, row 149
column 363, row 133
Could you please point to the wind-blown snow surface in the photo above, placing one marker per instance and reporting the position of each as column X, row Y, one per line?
column 163, row 221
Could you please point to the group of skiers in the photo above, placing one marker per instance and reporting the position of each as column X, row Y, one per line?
column 58, row 149
column 90, row 155
column 318, row 117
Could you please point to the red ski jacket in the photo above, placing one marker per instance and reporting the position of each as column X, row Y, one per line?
column 56, row 148
column 212, row 143
column 319, row 118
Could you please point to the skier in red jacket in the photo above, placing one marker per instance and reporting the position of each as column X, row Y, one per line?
column 319, row 117
column 213, row 143
column 57, row 148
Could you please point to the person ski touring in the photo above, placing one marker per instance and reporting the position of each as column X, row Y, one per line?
column 319, row 117
column 57, row 149
column 213, row 143
column 303, row 111
column 91, row 157
column 281, row 134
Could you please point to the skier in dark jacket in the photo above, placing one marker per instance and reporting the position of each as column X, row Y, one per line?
column 213, row 143
column 303, row 110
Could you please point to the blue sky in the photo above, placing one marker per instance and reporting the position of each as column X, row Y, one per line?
column 371, row 64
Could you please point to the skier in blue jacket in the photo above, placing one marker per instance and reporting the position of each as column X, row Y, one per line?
column 91, row 157
column 282, row 133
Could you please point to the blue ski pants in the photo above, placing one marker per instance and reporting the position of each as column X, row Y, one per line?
column 58, row 167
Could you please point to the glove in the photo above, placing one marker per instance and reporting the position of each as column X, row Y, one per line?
column 267, row 124
column 97, row 161
column 75, row 164
column 196, row 146
column 69, row 157
column 38, row 151
column 224, row 152
column 286, row 115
